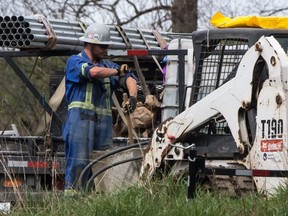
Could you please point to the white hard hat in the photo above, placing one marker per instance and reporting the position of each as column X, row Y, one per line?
column 97, row 34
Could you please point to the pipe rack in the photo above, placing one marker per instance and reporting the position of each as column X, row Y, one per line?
column 34, row 33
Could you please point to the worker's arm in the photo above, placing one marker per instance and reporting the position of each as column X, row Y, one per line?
column 131, row 86
column 102, row 72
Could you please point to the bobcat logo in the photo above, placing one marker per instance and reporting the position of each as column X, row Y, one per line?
column 160, row 137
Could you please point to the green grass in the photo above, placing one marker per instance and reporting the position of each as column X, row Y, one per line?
column 158, row 198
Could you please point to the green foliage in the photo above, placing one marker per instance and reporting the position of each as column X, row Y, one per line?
column 165, row 197
column 18, row 105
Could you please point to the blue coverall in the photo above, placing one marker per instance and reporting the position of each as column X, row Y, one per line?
column 88, row 125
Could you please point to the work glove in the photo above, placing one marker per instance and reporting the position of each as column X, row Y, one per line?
column 130, row 105
column 122, row 70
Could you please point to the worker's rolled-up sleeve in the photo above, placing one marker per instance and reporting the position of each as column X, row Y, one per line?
column 78, row 69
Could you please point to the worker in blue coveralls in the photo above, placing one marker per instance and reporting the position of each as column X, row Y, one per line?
column 90, row 81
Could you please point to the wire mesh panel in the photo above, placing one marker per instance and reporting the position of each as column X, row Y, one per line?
column 218, row 60
column 217, row 64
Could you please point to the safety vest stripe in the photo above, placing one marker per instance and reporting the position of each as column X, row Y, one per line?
column 107, row 87
column 83, row 68
column 83, row 105
column 88, row 96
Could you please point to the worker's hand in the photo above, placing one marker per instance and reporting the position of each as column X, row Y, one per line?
column 122, row 70
column 130, row 105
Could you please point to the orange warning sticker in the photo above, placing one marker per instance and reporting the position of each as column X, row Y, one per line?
column 271, row 145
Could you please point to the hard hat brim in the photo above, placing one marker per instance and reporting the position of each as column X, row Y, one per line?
column 93, row 41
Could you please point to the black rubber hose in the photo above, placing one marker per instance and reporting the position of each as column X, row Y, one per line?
column 105, row 156
column 108, row 167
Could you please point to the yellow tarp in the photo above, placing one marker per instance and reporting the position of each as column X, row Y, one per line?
column 220, row 21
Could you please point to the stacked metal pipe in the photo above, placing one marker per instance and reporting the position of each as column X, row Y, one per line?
column 29, row 33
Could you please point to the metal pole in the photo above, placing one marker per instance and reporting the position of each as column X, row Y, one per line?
column 192, row 173
column 181, row 78
column 128, row 120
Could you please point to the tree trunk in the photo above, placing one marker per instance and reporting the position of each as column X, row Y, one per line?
column 184, row 16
